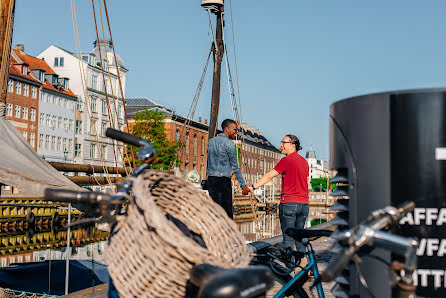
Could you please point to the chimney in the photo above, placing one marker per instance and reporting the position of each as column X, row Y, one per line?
column 199, row 119
column 251, row 129
column 20, row 47
column 257, row 132
column 244, row 126
column 206, row 121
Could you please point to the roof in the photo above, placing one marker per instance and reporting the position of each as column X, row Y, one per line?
column 310, row 154
column 14, row 70
column 36, row 63
column 134, row 105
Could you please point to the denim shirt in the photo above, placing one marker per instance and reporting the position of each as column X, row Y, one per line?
column 222, row 159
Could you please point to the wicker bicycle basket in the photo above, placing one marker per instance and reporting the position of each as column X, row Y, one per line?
column 149, row 256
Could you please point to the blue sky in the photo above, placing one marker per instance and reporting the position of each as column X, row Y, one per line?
column 294, row 58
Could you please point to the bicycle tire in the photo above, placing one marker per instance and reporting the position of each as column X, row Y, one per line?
column 279, row 282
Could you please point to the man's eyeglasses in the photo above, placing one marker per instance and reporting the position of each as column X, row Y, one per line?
column 283, row 142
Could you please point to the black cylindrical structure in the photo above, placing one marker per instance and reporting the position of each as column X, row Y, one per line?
column 392, row 148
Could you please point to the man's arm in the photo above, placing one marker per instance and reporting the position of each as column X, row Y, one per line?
column 234, row 164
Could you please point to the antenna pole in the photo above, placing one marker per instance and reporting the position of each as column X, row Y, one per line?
column 217, row 50
column 6, row 23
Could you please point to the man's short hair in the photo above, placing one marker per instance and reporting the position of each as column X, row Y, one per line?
column 226, row 123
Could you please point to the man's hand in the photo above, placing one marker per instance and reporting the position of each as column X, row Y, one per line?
column 246, row 191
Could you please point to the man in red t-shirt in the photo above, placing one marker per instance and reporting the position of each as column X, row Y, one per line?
column 293, row 208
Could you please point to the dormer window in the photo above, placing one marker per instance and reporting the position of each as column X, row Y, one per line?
column 25, row 70
column 40, row 74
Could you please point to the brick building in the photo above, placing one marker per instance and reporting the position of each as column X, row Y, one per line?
column 22, row 99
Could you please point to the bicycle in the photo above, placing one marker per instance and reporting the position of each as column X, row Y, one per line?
column 281, row 263
column 205, row 280
column 367, row 234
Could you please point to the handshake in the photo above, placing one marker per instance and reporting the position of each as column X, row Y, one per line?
column 247, row 191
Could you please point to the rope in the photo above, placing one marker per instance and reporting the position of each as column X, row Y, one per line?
column 119, row 81
column 84, row 85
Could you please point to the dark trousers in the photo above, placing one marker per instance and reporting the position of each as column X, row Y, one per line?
column 220, row 190
column 292, row 215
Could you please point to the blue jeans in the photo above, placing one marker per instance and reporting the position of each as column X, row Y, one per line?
column 292, row 215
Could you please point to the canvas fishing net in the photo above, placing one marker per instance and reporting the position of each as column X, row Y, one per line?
column 151, row 256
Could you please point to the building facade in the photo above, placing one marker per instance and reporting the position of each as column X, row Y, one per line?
column 22, row 99
column 56, row 114
column 318, row 168
column 99, row 100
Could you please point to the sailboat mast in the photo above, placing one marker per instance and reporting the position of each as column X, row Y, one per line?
column 218, row 51
column 6, row 25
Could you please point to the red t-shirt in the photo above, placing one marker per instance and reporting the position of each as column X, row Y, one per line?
column 294, row 170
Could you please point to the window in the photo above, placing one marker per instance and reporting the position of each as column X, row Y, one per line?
column 41, row 141
column 77, row 150
column 92, row 150
column 48, row 120
column 93, row 126
column 18, row 88
column 47, row 142
column 32, row 138
column 61, row 61
column 65, row 103
column 93, row 104
column 17, row 111
column 202, row 146
column 70, row 145
column 25, row 90
column 9, row 109
column 104, row 107
column 25, row 134
column 56, row 61
column 64, row 144
column 177, row 135
column 10, row 85
column 94, row 81
column 33, row 92
column 187, row 143
column 104, row 151
column 42, row 119
column 119, row 110
column 53, row 143
column 103, row 128
column 195, row 145
column 79, row 104
column 70, row 125
column 42, row 97
column 59, row 143
column 32, row 114
column 59, row 122
column 59, row 101
column 25, row 113
column 78, row 128
column 65, row 124
column 53, row 121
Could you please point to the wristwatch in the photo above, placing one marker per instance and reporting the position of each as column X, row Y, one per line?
column 252, row 185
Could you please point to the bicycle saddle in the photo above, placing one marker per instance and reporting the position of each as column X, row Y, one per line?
column 298, row 233
column 217, row 282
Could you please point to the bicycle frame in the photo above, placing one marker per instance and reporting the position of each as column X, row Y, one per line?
column 312, row 265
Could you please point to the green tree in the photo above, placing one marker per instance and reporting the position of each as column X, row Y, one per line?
column 149, row 125
column 320, row 184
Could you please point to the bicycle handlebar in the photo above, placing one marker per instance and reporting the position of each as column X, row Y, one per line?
column 124, row 137
column 71, row 196
column 361, row 235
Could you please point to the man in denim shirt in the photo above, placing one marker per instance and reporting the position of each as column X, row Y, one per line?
column 222, row 161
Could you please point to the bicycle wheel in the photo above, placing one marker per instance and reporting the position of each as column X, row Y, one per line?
column 279, row 282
